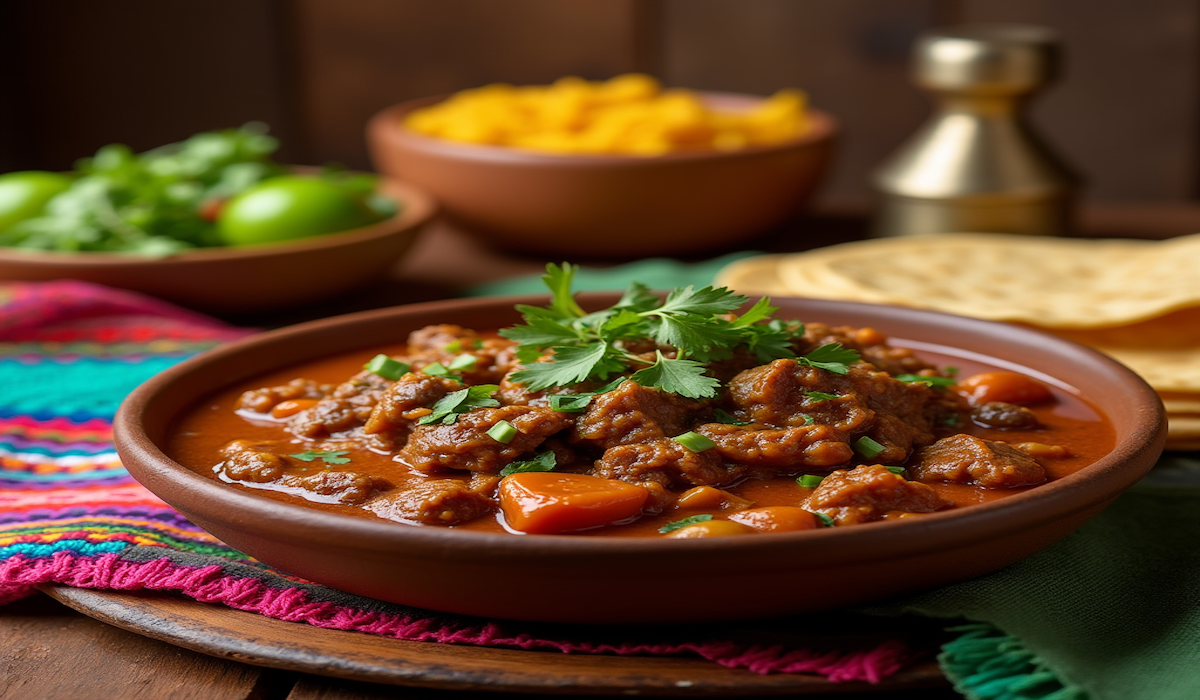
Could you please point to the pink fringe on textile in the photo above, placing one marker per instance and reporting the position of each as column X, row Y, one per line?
column 19, row 575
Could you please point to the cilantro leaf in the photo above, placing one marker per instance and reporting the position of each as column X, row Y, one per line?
column 637, row 298
column 447, row 408
column 761, row 311
column 570, row 366
column 705, row 301
column 326, row 456
column 929, row 381
column 541, row 332
column 832, row 357
column 545, row 462
column 683, row 377
column 820, row 395
column 691, row 520
column 722, row 417
column 559, row 280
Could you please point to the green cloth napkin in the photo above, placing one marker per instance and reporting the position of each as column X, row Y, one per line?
column 1112, row 612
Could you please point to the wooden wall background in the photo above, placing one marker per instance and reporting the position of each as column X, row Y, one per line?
column 76, row 74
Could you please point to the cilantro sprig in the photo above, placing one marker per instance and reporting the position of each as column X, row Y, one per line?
column 326, row 456
column 447, row 409
column 690, row 328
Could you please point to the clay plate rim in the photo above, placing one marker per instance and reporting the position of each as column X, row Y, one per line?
column 417, row 207
column 1138, row 447
column 388, row 124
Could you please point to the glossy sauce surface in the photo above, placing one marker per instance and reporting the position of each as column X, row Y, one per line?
column 197, row 440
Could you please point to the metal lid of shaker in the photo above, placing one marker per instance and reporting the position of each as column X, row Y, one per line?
column 995, row 58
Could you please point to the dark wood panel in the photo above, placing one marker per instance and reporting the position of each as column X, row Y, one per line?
column 358, row 56
column 851, row 57
column 1124, row 113
column 140, row 72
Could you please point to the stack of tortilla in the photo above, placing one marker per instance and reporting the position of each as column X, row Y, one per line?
column 1137, row 301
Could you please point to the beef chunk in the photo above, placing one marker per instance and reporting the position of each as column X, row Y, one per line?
column 966, row 459
column 869, row 492
column 444, row 342
column 785, row 394
column 781, row 449
column 631, row 414
column 390, row 418
column 997, row 414
column 329, row 486
column 466, row 445
column 246, row 461
column 435, row 502
column 663, row 461
column 347, row 407
column 264, row 399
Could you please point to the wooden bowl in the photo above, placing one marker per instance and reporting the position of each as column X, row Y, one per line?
column 246, row 279
column 608, row 206
column 639, row 580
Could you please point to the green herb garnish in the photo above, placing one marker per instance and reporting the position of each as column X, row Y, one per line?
column 866, row 447
column 545, row 462
column 447, row 409
column 326, row 456
column 502, row 431
column 928, row 381
column 386, row 367
column 820, row 396
column 570, row 403
column 723, row 417
column 691, row 520
column 692, row 322
column 695, row 441
column 831, row 357
column 826, row 521
column 462, row 362
column 435, row 369
column 896, row 470
column 809, row 481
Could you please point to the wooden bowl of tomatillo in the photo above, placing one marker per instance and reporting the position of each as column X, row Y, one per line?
column 210, row 223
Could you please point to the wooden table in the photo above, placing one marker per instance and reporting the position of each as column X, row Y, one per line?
column 50, row 652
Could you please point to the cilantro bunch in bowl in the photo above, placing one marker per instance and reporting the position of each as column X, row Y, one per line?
column 187, row 195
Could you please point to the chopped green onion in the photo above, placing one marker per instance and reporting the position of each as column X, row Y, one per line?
column 454, row 345
column 692, row 520
column 463, row 362
column 808, row 420
column 386, row 367
column 820, row 396
column 435, row 369
column 809, row 481
column 826, row 521
column 570, row 403
column 896, row 470
column 950, row 371
column 503, row 432
column 545, row 462
column 723, row 417
column 866, row 447
column 694, row 441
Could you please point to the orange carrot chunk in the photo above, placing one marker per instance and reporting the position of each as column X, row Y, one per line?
column 1008, row 387
column 545, row 503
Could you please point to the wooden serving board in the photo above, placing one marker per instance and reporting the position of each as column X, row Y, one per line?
column 253, row 639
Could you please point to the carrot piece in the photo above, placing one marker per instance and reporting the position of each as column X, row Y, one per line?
column 287, row 409
column 1009, row 387
column 547, row 502
column 776, row 518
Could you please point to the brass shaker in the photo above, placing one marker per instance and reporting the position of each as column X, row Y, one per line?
column 977, row 165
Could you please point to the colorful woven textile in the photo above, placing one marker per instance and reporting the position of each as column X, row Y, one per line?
column 71, row 514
